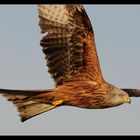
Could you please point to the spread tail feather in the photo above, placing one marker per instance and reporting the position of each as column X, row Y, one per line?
column 27, row 108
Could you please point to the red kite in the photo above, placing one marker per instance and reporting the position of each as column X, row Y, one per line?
column 72, row 60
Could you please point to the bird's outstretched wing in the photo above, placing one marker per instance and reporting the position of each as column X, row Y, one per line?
column 68, row 43
column 132, row 92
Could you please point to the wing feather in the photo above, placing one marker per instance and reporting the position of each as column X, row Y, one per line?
column 69, row 44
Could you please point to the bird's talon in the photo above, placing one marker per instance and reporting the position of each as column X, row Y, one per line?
column 57, row 102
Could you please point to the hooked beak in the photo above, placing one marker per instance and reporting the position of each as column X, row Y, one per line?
column 127, row 100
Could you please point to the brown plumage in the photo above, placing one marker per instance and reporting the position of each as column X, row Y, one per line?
column 72, row 60
column 69, row 45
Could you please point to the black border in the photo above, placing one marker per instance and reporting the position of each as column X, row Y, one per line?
column 69, row 2
column 3, row 2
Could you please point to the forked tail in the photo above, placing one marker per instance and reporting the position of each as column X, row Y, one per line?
column 27, row 108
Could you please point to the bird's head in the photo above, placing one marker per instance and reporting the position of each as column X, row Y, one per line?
column 118, row 97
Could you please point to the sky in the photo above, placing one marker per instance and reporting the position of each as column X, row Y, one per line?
column 22, row 66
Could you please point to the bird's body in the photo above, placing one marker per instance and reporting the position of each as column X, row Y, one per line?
column 75, row 68
column 73, row 63
column 84, row 94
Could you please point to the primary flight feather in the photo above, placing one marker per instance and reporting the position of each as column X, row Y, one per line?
column 70, row 52
column 69, row 45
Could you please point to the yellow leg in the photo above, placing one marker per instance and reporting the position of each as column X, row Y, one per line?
column 57, row 102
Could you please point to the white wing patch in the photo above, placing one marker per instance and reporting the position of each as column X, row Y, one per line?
column 54, row 13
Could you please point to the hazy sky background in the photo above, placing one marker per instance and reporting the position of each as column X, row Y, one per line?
column 22, row 66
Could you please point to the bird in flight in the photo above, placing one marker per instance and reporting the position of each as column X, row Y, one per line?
column 72, row 60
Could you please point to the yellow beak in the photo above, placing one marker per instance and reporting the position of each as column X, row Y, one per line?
column 127, row 99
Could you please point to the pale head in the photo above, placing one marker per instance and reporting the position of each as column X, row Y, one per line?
column 118, row 97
